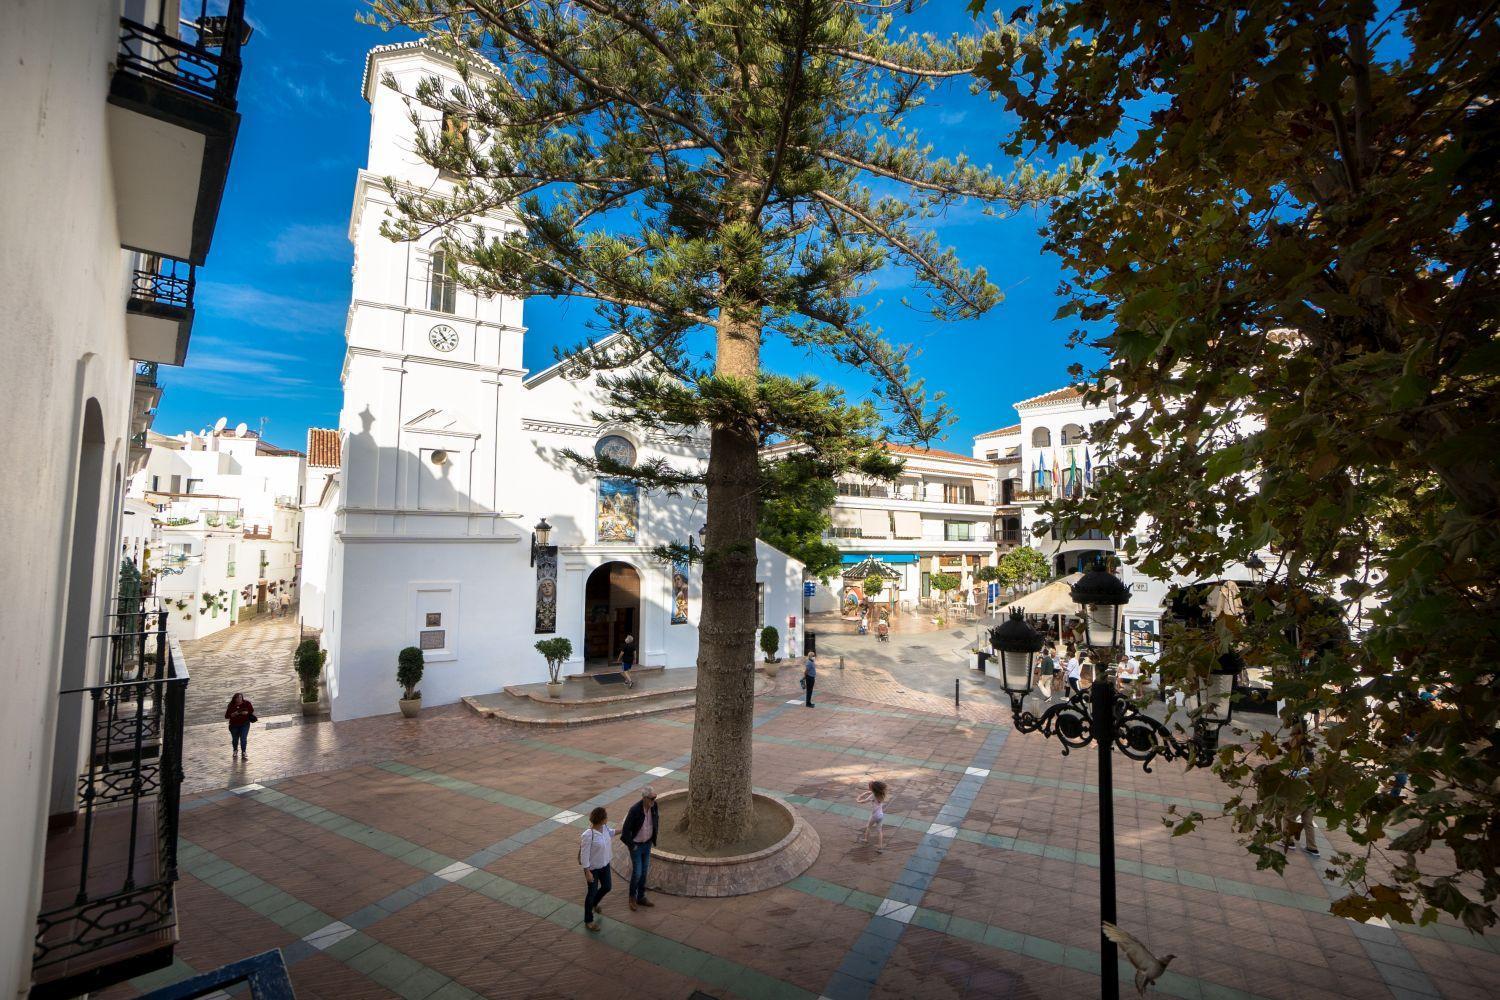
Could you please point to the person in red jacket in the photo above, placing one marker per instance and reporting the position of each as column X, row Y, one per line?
column 240, row 714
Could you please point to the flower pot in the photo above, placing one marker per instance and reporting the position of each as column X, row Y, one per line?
column 554, row 689
column 314, row 708
column 410, row 706
column 773, row 667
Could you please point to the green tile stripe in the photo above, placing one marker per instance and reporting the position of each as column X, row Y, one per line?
column 1156, row 873
column 655, row 948
column 469, row 788
column 382, row 964
column 1003, row 939
column 1202, row 805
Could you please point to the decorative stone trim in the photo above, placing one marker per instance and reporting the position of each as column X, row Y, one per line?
column 737, row 875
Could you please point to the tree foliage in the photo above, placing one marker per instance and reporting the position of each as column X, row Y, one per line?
column 706, row 171
column 1023, row 565
column 1292, row 246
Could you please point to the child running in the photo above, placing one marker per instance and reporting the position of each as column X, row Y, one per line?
column 877, row 795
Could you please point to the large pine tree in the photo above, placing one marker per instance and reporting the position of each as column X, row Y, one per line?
column 711, row 173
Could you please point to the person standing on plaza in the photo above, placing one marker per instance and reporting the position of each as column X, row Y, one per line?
column 286, row 603
column 1049, row 667
column 627, row 660
column 876, row 794
column 1075, row 671
column 240, row 714
column 809, row 677
column 639, row 835
column 594, row 850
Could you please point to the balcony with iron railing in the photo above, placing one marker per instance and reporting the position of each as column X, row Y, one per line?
column 159, row 311
column 108, row 909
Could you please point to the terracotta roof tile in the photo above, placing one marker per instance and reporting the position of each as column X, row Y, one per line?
column 1055, row 396
column 951, row 456
column 322, row 448
column 1012, row 429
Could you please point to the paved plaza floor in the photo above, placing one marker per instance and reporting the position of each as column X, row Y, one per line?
column 437, row 858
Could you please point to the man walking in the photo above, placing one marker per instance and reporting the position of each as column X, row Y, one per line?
column 810, row 676
column 639, row 835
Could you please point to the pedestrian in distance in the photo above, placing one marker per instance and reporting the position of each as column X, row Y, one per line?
column 595, row 848
column 1075, row 671
column 627, row 660
column 877, row 795
column 1048, row 668
column 639, row 835
column 240, row 714
column 286, row 603
column 809, row 677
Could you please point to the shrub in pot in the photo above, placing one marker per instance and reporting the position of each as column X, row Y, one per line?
column 309, row 660
column 409, row 674
column 555, row 651
column 770, row 643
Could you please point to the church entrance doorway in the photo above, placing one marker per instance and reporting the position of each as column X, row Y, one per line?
column 611, row 611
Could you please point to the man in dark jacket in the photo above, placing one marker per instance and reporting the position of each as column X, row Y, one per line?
column 639, row 836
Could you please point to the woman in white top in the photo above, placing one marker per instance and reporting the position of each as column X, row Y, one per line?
column 594, row 850
column 1075, row 672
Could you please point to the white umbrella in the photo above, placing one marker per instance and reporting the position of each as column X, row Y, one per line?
column 1225, row 600
column 1054, row 599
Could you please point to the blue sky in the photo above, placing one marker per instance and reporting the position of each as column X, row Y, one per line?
column 268, row 338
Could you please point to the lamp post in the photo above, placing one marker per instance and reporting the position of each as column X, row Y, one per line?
column 1104, row 718
column 540, row 536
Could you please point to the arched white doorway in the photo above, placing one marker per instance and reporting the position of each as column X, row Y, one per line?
column 611, row 611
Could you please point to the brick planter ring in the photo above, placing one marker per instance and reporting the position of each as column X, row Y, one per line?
column 736, row 875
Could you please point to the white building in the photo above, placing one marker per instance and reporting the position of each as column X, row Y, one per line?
column 319, row 488
column 227, row 514
column 450, row 454
column 114, row 169
column 937, row 517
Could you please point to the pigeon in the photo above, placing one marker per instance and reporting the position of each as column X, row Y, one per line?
column 1148, row 968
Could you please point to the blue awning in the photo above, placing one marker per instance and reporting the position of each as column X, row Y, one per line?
column 885, row 557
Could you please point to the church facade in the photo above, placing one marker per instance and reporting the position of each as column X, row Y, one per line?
column 451, row 456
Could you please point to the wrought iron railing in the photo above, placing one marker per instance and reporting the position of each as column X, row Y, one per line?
column 145, row 373
column 264, row 977
column 129, row 793
column 163, row 281
column 205, row 65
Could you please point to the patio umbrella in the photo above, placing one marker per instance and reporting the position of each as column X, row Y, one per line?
column 1225, row 600
column 1054, row 599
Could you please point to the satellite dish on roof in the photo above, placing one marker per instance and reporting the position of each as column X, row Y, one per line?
column 240, row 429
column 219, row 424
column 203, row 432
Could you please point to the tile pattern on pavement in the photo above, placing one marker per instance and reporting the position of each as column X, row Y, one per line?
column 438, row 859
column 254, row 658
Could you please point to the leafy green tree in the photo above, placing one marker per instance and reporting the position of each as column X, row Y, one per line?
column 1292, row 253
column 1023, row 565
column 944, row 583
column 711, row 173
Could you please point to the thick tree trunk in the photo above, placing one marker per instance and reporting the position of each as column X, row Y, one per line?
column 719, row 804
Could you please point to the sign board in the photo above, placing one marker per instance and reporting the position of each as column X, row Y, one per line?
column 432, row 638
column 809, row 589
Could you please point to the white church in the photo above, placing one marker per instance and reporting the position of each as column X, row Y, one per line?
column 434, row 531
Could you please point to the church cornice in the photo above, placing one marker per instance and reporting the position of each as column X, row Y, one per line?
column 440, row 316
column 370, row 352
column 593, row 430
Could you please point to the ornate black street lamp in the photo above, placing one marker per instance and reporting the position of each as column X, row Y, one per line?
column 540, row 536
column 1105, row 719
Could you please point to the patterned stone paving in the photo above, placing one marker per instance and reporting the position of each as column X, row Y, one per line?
column 254, row 658
column 437, row 858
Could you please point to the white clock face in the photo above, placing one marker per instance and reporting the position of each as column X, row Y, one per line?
column 443, row 337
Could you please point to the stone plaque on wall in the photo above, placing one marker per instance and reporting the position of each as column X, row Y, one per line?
column 434, row 619
column 433, row 638
column 546, row 590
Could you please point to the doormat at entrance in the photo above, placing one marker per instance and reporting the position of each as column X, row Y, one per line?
column 610, row 678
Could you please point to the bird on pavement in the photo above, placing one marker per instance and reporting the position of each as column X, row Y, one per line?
column 1148, row 968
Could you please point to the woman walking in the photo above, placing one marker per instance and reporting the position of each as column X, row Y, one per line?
column 877, row 795
column 240, row 714
column 594, row 849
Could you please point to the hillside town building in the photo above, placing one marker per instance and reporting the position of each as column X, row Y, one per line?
column 456, row 523
column 226, row 516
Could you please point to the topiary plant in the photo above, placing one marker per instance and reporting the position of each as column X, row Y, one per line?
column 555, row 651
column 310, row 660
column 409, row 665
column 770, row 642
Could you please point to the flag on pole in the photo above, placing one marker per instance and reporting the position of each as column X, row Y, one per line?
column 1073, row 471
column 1088, row 468
column 1056, row 472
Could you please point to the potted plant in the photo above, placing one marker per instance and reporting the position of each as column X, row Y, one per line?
column 309, row 660
column 409, row 675
column 770, row 643
column 555, row 651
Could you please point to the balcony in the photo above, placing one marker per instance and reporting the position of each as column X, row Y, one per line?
column 159, row 310
column 173, row 119
column 108, row 909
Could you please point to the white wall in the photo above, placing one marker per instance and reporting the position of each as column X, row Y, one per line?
column 62, row 281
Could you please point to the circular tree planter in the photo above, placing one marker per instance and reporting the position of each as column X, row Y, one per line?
column 791, row 853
